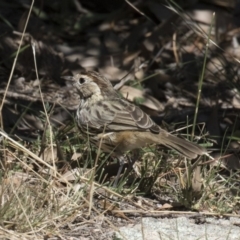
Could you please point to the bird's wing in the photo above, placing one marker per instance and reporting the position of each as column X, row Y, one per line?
column 116, row 115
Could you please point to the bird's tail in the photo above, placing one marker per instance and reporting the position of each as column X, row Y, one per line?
column 186, row 148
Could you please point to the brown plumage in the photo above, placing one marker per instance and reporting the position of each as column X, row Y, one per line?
column 122, row 126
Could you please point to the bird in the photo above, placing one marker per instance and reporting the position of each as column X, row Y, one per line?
column 117, row 126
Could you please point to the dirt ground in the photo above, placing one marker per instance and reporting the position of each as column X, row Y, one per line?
column 173, row 62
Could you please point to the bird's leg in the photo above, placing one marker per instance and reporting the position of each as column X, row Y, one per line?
column 121, row 161
column 121, row 164
column 133, row 159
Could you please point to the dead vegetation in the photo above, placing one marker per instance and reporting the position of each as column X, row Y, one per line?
column 159, row 58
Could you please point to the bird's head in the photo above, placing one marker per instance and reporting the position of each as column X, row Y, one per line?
column 91, row 83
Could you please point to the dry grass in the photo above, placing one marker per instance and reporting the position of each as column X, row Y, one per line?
column 43, row 195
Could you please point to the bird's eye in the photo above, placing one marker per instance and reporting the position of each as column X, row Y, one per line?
column 82, row 80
